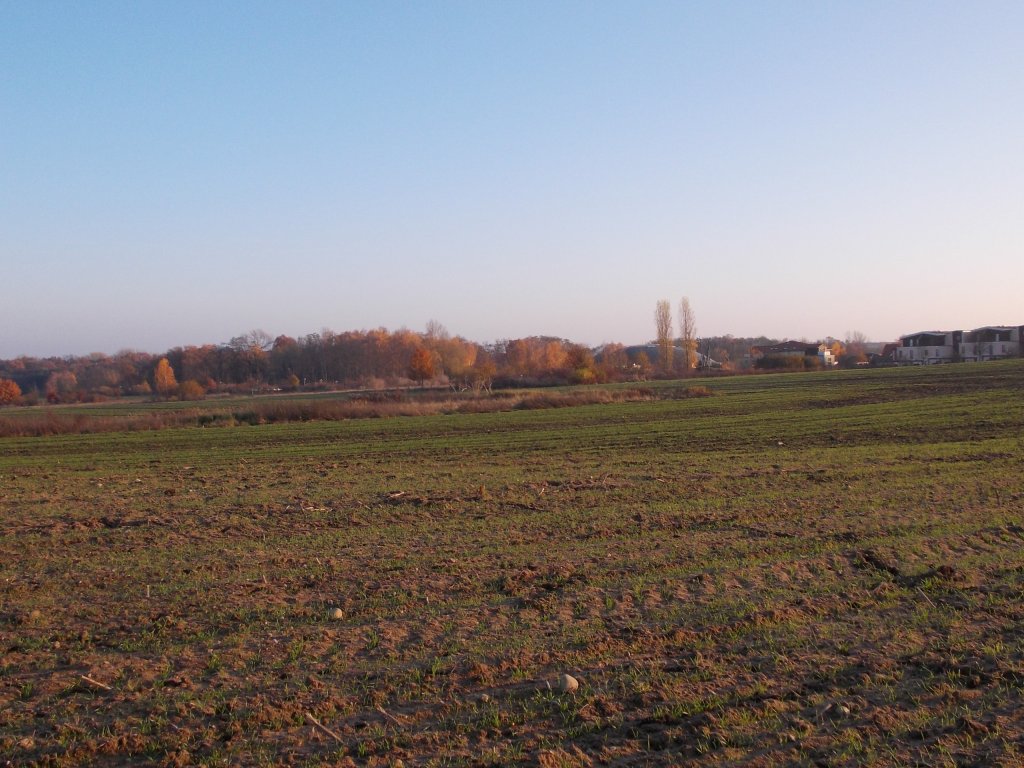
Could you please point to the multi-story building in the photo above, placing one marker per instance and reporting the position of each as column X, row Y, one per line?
column 929, row 348
column 993, row 342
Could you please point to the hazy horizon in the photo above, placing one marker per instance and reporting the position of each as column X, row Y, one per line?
column 180, row 174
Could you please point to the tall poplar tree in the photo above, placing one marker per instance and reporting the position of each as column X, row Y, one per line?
column 688, row 335
column 663, row 325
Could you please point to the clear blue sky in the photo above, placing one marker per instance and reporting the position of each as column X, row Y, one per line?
column 181, row 172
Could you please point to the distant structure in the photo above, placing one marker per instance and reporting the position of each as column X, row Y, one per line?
column 929, row 348
column 992, row 342
column 796, row 350
column 887, row 354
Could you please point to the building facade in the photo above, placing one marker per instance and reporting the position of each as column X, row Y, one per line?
column 993, row 342
column 929, row 348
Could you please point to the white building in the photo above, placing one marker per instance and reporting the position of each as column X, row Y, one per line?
column 993, row 342
column 929, row 348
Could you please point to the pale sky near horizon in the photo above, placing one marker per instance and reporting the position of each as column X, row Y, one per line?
column 182, row 172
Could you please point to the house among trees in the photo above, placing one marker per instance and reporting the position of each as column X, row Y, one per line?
column 991, row 342
column 793, row 354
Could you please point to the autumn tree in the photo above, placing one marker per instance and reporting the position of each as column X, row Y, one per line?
column 421, row 367
column 688, row 335
column 856, row 344
column 251, row 352
column 163, row 379
column 9, row 391
column 663, row 326
column 580, row 362
column 436, row 331
column 191, row 390
column 613, row 361
column 483, row 372
column 855, row 352
column 642, row 365
column 457, row 357
column 284, row 358
column 61, row 387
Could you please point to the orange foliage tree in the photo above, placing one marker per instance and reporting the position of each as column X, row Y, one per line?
column 421, row 367
column 163, row 379
column 9, row 391
column 191, row 390
column 61, row 387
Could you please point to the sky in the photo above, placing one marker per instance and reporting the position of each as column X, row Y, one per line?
column 177, row 173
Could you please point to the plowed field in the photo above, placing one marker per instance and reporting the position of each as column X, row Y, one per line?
column 811, row 569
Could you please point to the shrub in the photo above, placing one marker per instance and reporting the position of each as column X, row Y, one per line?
column 696, row 392
column 191, row 390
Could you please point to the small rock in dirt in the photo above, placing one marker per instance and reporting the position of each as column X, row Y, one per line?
column 337, row 613
column 568, row 684
column 836, row 710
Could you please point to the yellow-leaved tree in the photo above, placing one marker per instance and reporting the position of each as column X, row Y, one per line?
column 163, row 379
column 421, row 367
column 9, row 391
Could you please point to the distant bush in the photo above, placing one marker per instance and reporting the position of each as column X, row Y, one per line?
column 697, row 392
column 581, row 397
column 191, row 390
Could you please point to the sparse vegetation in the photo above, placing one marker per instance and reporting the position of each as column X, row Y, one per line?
column 252, row 411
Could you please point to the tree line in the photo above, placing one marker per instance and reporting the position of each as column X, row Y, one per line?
column 373, row 359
